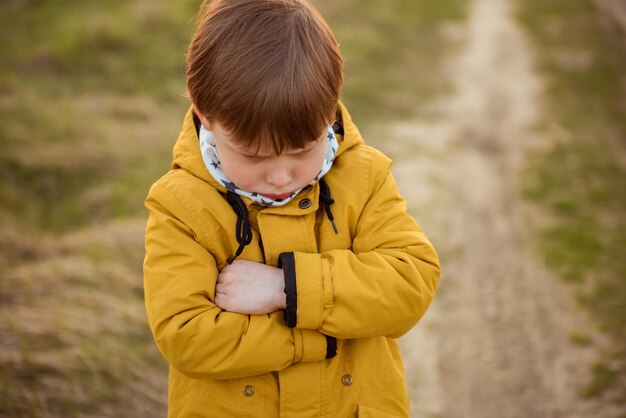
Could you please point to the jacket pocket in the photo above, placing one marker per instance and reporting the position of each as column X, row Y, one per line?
column 242, row 394
column 367, row 412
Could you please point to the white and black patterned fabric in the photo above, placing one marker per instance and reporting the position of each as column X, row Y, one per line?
column 213, row 164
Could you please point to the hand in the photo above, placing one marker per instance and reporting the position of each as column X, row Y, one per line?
column 252, row 288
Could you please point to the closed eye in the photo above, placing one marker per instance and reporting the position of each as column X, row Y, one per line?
column 253, row 157
column 303, row 153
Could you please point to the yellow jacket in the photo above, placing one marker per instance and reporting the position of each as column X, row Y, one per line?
column 333, row 351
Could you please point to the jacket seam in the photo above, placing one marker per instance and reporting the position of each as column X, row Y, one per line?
column 192, row 225
column 372, row 187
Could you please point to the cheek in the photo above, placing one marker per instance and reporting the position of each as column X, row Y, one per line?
column 242, row 176
column 235, row 169
column 314, row 164
column 310, row 170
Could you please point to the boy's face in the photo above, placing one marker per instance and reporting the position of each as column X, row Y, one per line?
column 261, row 171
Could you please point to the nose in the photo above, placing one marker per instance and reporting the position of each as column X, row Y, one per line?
column 279, row 176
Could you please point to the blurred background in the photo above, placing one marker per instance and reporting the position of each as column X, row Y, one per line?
column 507, row 122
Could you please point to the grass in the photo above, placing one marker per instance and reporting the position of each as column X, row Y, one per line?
column 90, row 105
column 604, row 377
column 580, row 339
column 580, row 179
column 393, row 52
column 88, row 89
column 74, row 335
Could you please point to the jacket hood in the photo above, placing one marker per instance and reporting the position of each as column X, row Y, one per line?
column 187, row 154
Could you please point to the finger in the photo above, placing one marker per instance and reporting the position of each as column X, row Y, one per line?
column 224, row 284
column 220, row 288
column 220, row 300
column 223, row 278
column 226, row 269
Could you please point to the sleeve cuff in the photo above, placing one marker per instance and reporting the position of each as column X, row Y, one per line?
column 311, row 345
column 287, row 262
column 331, row 347
column 307, row 276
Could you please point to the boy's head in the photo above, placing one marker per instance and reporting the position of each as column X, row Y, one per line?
column 269, row 71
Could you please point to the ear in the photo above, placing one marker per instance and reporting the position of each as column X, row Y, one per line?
column 205, row 122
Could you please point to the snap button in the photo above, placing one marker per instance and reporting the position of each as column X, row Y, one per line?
column 248, row 391
column 346, row 380
column 304, row 203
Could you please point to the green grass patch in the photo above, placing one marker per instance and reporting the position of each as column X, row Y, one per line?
column 91, row 104
column 580, row 179
column 80, row 46
column 580, row 339
column 603, row 378
column 393, row 52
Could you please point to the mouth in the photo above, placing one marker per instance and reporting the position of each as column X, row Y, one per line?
column 277, row 196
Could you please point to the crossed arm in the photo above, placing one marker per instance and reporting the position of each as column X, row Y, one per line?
column 381, row 286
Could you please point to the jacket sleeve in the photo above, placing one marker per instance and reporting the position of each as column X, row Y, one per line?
column 194, row 335
column 381, row 287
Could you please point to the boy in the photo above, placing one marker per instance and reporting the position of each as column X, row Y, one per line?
column 281, row 264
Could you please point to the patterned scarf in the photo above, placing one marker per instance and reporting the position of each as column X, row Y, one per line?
column 213, row 163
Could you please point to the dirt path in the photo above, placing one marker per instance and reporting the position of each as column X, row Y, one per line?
column 615, row 9
column 496, row 343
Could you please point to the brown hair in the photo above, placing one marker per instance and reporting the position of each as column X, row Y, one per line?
column 265, row 69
